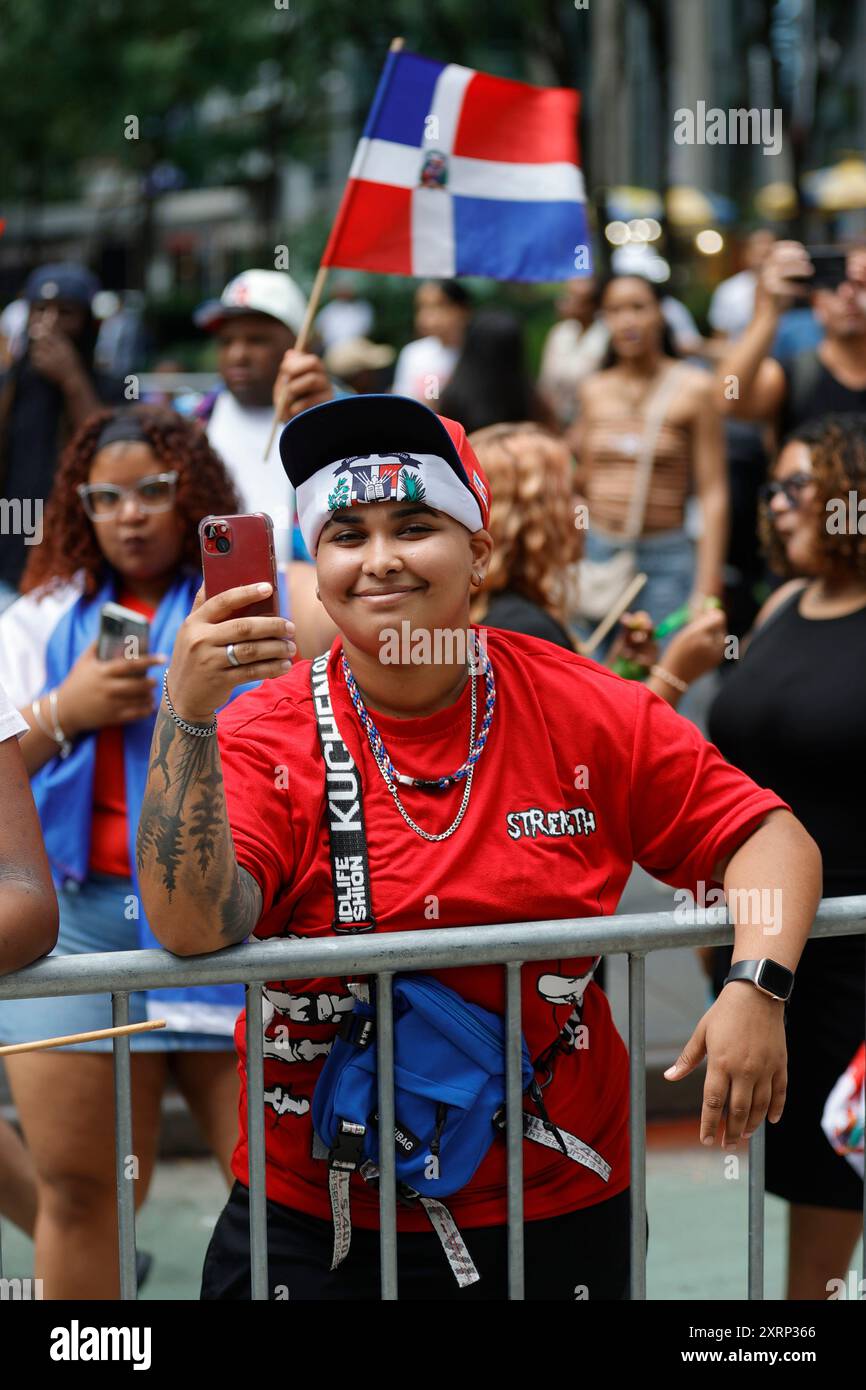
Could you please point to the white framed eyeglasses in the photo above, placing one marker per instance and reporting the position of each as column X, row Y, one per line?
column 102, row 501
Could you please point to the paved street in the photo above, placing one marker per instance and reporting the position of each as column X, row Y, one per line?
column 697, row 1247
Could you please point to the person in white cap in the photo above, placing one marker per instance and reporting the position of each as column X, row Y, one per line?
column 256, row 320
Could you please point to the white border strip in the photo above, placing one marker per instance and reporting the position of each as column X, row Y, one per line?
column 399, row 166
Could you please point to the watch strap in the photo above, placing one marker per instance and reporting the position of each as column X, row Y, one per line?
column 751, row 970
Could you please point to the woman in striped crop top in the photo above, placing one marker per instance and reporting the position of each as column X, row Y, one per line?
column 688, row 455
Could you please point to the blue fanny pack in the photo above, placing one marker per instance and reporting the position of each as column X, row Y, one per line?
column 449, row 1086
column 449, row 1055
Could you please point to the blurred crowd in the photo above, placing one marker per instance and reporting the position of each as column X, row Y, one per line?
column 709, row 464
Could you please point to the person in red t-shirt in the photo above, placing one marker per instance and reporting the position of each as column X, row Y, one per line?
column 572, row 775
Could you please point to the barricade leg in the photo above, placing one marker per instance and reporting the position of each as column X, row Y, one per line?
column 256, row 1142
column 387, row 1159
column 514, row 1131
column 123, row 1150
column 637, row 1120
column 756, row 1214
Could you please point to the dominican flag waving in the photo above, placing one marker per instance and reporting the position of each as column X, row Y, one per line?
column 461, row 173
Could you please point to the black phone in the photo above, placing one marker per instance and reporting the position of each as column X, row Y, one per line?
column 122, row 632
column 829, row 263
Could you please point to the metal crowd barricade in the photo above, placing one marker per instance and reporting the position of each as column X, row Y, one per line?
column 507, row 944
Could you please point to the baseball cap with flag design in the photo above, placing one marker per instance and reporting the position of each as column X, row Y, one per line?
column 380, row 448
column 271, row 292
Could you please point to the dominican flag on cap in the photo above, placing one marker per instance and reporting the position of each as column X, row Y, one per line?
column 462, row 173
column 380, row 448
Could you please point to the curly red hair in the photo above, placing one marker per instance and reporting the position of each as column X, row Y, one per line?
column 70, row 546
column 532, row 516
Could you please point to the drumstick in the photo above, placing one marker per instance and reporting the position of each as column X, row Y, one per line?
column 82, row 1037
column 613, row 615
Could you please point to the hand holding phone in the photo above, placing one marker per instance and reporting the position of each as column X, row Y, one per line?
column 202, row 674
column 239, row 550
column 785, row 277
column 101, row 692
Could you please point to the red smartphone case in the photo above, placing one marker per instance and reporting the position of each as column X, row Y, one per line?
column 250, row 558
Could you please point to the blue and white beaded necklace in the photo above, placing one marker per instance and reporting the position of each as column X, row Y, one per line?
column 466, row 770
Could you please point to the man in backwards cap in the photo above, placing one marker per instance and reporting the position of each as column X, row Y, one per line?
column 45, row 396
column 256, row 321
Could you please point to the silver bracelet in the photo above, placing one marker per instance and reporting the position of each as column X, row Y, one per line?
column 663, row 675
column 36, row 706
column 195, row 729
column 64, row 744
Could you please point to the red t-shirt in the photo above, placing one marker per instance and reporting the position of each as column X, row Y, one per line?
column 566, row 734
column 109, row 841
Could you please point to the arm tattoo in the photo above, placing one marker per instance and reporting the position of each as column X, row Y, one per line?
column 184, row 827
column 241, row 909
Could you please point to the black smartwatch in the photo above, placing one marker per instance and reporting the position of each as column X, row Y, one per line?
column 766, row 975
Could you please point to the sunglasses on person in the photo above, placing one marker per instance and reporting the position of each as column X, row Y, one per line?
column 791, row 488
column 102, row 501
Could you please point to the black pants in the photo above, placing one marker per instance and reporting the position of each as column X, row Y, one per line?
column 583, row 1255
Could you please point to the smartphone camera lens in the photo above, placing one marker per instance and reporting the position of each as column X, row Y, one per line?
column 223, row 544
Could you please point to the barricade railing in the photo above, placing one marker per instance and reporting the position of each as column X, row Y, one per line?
column 509, row 944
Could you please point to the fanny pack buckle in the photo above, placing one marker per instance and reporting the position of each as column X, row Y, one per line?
column 348, row 1150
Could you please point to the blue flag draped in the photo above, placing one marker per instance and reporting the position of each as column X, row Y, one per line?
column 63, row 787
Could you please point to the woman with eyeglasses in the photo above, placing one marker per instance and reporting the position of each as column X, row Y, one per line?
column 792, row 714
column 121, row 526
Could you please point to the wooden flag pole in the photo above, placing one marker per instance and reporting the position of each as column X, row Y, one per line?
column 312, row 307
column 42, row 1043
column 300, row 344
column 613, row 615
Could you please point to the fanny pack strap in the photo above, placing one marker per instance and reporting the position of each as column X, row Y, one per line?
column 453, row 1245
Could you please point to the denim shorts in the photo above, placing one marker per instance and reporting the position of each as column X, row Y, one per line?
column 93, row 919
column 667, row 558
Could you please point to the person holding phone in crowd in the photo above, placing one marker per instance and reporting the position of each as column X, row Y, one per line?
column 830, row 378
column 121, row 527
column 474, row 743
column 792, row 714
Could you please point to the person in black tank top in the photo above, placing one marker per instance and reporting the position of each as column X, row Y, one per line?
column 792, row 714
column 813, row 392
column 830, row 378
